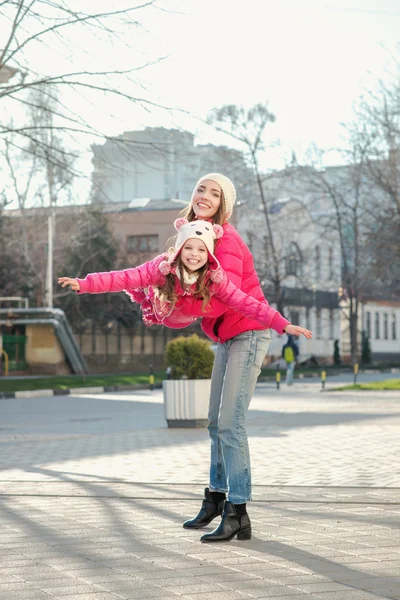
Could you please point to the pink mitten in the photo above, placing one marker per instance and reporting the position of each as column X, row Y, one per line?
column 137, row 295
column 148, row 316
column 140, row 297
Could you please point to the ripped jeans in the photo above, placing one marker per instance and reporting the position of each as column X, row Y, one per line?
column 237, row 366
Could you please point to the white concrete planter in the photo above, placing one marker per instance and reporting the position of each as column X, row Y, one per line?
column 186, row 402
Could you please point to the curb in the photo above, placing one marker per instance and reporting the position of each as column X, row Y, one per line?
column 78, row 390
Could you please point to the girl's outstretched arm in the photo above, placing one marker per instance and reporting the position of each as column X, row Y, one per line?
column 117, row 281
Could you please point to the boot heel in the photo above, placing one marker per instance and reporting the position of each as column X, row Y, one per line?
column 244, row 534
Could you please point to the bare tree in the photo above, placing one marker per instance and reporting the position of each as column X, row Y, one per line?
column 29, row 25
column 91, row 247
column 21, row 187
column 249, row 128
column 376, row 130
column 16, row 267
column 40, row 174
column 346, row 195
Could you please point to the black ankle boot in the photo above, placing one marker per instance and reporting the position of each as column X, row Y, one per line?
column 229, row 527
column 209, row 510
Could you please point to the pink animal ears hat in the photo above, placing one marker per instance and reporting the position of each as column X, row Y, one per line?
column 202, row 230
column 226, row 186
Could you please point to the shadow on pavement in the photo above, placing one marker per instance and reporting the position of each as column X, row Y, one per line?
column 78, row 428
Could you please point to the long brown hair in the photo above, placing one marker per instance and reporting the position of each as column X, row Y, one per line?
column 167, row 292
column 218, row 219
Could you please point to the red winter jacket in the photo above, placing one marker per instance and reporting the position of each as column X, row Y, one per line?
column 184, row 311
column 236, row 260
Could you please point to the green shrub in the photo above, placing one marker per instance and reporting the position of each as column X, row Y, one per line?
column 189, row 358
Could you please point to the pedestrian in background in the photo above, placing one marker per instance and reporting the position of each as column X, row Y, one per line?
column 290, row 352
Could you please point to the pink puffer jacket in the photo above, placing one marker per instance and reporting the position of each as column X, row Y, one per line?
column 236, row 260
column 224, row 294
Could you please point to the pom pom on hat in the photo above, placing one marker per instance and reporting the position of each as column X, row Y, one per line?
column 164, row 267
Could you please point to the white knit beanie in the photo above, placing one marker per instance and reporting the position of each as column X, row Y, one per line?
column 227, row 187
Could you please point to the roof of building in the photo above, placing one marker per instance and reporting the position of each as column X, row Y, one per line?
column 150, row 204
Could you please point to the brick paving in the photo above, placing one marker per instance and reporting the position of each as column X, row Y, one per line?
column 94, row 489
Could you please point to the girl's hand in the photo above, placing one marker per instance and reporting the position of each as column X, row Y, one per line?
column 73, row 283
column 296, row 330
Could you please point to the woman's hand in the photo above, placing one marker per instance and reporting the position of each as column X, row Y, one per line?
column 296, row 330
column 73, row 283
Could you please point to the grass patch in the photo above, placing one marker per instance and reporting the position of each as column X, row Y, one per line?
column 72, row 381
column 388, row 384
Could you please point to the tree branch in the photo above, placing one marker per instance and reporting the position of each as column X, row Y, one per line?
column 80, row 19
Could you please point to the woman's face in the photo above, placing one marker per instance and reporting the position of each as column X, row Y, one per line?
column 194, row 254
column 206, row 199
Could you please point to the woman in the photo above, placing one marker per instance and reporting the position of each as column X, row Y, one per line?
column 241, row 349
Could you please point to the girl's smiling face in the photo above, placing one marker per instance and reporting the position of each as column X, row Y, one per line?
column 206, row 199
column 194, row 254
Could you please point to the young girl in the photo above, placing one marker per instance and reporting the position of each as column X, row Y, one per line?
column 189, row 271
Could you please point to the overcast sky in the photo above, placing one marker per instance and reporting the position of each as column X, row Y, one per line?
column 310, row 60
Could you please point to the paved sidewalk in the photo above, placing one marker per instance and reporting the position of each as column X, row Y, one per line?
column 94, row 489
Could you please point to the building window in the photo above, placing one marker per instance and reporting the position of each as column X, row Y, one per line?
column 368, row 324
column 331, row 325
column 330, row 264
column 318, row 325
column 394, row 328
column 142, row 243
column 385, row 326
column 317, row 262
column 377, row 326
column 293, row 260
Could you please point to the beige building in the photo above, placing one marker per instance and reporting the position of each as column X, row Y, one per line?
column 144, row 227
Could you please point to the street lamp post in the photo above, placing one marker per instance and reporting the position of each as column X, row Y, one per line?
column 49, row 274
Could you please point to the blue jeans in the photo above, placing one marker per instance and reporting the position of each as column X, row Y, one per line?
column 290, row 372
column 237, row 366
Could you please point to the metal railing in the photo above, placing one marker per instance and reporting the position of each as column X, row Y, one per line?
column 49, row 316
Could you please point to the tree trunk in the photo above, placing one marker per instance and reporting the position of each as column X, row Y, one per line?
column 354, row 333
